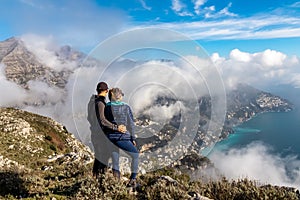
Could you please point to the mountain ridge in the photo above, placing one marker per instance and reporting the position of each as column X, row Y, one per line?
column 22, row 65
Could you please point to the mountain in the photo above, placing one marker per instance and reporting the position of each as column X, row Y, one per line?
column 243, row 103
column 22, row 65
column 39, row 159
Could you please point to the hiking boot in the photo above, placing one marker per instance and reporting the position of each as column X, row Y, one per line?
column 116, row 174
column 133, row 184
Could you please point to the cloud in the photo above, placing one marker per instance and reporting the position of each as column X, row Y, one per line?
column 240, row 56
column 177, row 5
column 180, row 8
column 38, row 98
column 295, row 80
column 13, row 92
column 268, row 58
column 225, row 11
column 143, row 3
column 271, row 58
column 296, row 5
column 210, row 8
column 153, row 79
column 164, row 113
column 258, row 69
column 262, row 26
column 256, row 162
column 208, row 12
column 197, row 5
column 38, row 93
column 45, row 49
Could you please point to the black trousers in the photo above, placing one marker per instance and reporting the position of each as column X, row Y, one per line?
column 102, row 150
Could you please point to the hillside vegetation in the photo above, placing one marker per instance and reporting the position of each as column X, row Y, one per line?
column 39, row 159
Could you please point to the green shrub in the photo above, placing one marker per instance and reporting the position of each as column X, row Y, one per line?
column 48, row 137
column 52, row 147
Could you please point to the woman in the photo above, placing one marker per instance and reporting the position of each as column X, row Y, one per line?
column 119, row 113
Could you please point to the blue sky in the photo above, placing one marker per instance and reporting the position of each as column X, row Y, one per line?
column 219, row 26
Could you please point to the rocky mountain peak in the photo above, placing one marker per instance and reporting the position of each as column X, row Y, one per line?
column 67, row 53
column 7, row 46
column 22, row 65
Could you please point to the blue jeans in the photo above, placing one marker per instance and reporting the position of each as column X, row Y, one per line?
column 131, row 150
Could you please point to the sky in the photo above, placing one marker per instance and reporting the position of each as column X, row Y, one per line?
column 218, row 26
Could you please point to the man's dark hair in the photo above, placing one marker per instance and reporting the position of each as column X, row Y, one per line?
column 101, row 86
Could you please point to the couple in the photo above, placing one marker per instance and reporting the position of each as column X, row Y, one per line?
column 112, row 128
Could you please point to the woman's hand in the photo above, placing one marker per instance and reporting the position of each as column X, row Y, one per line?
column 122, row 128
column 134, row 142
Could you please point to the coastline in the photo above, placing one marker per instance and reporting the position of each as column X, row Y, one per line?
column 233, row 137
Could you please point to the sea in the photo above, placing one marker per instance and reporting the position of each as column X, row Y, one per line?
column 279, row 131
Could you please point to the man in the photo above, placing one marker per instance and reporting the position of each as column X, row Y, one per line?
column 97, row 122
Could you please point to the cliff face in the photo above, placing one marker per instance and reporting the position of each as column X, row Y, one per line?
column 21, row 65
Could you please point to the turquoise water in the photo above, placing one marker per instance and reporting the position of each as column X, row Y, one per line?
column 279, row 131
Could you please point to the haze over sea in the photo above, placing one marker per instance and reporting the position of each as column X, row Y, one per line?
column 280, row 131
column 265, row 148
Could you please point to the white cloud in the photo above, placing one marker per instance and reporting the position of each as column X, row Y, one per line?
column 255, row 162
column 295, row 80
column 38, row 93
column 225, row 11
column 45, row 49
column 143, row 3
column 271, row 58
column 184, row 14
column 254, row 27
column 197, row 5
column 296, row 4
column 258, row 69
column 12, row 93
column 177, row 5
column 164, row 113
column 210, row 12
column 267, row 59
column 237, row 55
column 210, row 8
column 180, row 8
